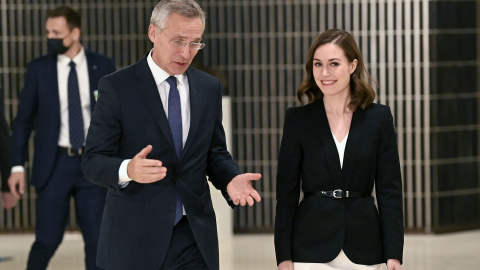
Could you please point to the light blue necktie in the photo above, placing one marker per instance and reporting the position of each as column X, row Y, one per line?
column 175, row 122
column 75, row 118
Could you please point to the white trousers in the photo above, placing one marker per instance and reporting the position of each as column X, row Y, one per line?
column 341, row 262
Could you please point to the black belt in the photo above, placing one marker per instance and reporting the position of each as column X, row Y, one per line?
column 72, row 152
column 338, row 194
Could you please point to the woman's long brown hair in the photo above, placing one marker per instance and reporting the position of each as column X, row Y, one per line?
column 361, row 83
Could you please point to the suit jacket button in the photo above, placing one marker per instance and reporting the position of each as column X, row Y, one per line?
column 171, row 206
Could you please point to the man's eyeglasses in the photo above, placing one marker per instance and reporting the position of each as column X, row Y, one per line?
column 182, row 43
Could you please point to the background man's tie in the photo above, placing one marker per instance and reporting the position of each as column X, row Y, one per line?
column 75, row 118
column 175, row 122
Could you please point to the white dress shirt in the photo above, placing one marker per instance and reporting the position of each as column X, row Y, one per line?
column 63, row 70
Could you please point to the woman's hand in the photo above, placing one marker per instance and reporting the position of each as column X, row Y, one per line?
column 392, row 264
column 285, row 265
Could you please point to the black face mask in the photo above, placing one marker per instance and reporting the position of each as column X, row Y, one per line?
column 55, row 46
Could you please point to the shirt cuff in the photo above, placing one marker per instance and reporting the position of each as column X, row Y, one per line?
column 123, row 178
column 18, row 168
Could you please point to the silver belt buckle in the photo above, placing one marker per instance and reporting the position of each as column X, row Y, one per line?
column 70, row 152
column 335, row 194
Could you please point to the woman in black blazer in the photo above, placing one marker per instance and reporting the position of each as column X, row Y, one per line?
column 336, row 149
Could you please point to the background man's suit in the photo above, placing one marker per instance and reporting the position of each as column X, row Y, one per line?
column 39, row 110
column 128, row 116
column 4, row 147
column 318, row 228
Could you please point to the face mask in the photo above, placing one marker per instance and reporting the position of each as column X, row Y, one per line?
column 55, row 46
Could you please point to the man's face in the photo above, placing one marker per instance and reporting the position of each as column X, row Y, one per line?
column 57, row 28
column 175, row 59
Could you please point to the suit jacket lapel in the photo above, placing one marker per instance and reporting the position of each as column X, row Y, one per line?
column 196, row 102
column 149, row 93
column 93, row 76
column 353, row 142
column 329, row 147
column 52, row 86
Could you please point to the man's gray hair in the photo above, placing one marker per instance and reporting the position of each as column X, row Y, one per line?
column 186, row 8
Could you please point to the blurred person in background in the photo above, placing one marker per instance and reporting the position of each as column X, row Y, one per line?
column 56, row 102
column 8, row 199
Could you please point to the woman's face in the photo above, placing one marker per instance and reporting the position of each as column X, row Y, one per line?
column 332, row 70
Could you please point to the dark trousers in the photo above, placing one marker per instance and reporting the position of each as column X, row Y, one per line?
column 183, row 252
column 53, row 207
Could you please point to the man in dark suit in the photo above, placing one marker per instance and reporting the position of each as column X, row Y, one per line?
column 155, row 134
column 56, row 102
column 9, row 201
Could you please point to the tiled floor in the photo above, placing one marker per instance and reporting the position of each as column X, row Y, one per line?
column 455, row 251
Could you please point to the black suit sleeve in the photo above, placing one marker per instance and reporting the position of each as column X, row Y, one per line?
column 221, row 168
column 388, row 189
column 99, row 163
column 4, row 146
column 288, row 187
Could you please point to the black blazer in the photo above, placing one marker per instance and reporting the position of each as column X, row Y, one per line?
column 317, row 228
column 4, row 147
column 138, row 220
column 39, row 110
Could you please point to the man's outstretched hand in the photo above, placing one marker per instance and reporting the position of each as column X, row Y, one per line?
column 241, row 191
column 144, row 170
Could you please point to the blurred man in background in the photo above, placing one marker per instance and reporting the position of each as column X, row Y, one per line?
column 56, row 101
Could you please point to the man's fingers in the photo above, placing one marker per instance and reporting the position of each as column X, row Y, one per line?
column 254, row 176
column 254, row 194
column 235, row 200
column 13, row 189
column 144, row 152
column 243, row 202
column 9, row 200
column 240, row 200
column 146, row 164
column 149, row 174
column 16, row 184
column 250, row 201
column 21, row 187
column 153, row 170
column 15, row 193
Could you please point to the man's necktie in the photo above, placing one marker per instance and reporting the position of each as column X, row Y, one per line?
column 75, row 118
column 175, row 122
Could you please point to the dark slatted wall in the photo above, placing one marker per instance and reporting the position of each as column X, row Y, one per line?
column 423, row 53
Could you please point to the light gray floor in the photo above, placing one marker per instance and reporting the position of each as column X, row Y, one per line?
column 255, row 252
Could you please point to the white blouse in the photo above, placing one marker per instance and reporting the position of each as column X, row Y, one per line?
column 340, row 148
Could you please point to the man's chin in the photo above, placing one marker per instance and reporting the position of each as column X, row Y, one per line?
column 178, row 71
